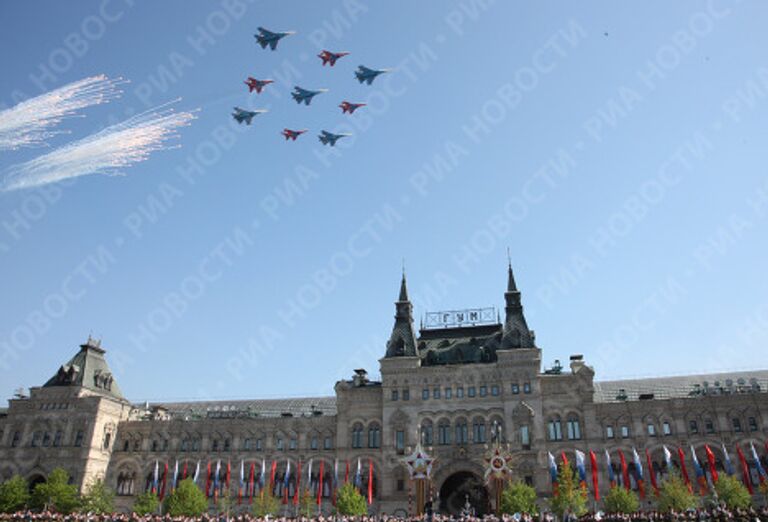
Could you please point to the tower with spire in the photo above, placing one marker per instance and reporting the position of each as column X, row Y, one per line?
column 402, row 342
column 516, row 332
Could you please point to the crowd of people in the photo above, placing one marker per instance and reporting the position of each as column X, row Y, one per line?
column 716, row 514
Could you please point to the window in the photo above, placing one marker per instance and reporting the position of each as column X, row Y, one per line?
column 47, row 440
column 651, row 430
column 400, row 485
column 327, row 443
column 259, row 445
column 374, row 436
column 313, row 443
column 709, row 426
column 693, row 426
column 436, row 393
column 394, row 395
column 443, row 433
column 246, row 444
column 406, row 395
column 448, row 393
column 515, row 388
column 196, row 444
column 460, row 392
column 471, row 391
column 526, row 387
column 36, row 438
column 184, row 446
column 427, row 434
column 625, row 432
column 105, row 445
column 357, row 436
column 293, row 443
column 483, row 391
column 79, row 438
column 574, row 428
column 279, row 445
column 400, row 440
column 16, row 439
column 495, row 390
column 125, row 484
column 425, row 393
column 666, row 428
column 554, row 429
column 735, row 422
column 462, row 432
column 137, row 445
column 478, row 431
column 525, row 437
column 752, row 424
column 126, row 443
column 609, row 432
column 165, row 444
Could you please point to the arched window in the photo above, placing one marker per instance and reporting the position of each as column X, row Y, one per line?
column 427, row 433
column 554, row 429
column 443, row 432
column 357, row 435
column 574, row 428
column 478, row 431
column 462, row 431
column 497, row 430
column 374, row 436
column 126, row 483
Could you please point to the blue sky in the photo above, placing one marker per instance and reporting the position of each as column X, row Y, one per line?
column 619, row 152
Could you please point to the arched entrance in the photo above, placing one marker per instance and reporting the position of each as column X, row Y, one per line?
column 459, row 488
column 34, row 480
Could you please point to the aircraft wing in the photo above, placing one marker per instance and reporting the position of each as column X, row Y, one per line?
column 365, row 70
column 273, row 44
column 266, row 32
column 300, row 91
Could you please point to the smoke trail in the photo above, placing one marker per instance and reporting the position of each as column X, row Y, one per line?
column 29, row 123
column 105, row 152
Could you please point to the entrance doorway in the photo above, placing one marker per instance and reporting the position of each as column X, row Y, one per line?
column 462, row 488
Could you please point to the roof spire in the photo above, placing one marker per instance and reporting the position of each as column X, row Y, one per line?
column 403, row 290
column 516, row 332
column 511, row 285
column 403, row 339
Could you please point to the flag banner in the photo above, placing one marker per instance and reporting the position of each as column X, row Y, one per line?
column 175, row 475
column 700, row 477
column 759, row 465
column 745, row 477
column 711, row 462
column 320, row 483
column 593, row 466
column 652, row 473
column 609, row 467
column 727, row 461
column 565, row 458
column 581, row 469
column 163, row 482
column 346, row 473
column 684, row 469
column 296, row 493
column 286, row 481
column 624, row 471
column 668, row 459
column 155, row 477
column 639, row 472
column 251, row 481
column 208, row 480
column 370, row 481
column 552, row 472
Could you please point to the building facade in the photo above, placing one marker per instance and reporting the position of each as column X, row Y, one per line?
column 462, row 382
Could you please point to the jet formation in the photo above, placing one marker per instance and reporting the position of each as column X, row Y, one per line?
column 266, row 38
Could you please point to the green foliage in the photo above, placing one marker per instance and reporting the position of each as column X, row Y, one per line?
column 732, row 492
column 571, row 498
column 265, row 504
column 56, row 494
column 307, row 504
column 98, row 498
column 518, row 497
column 350, row 502
column 620, row 500
column 146, row 504
column 186, row 500
column 674, row 495
column 14, row 494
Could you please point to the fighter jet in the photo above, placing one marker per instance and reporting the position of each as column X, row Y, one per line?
column 242, row 115
column 292, row 134
column 364, row 74
column 303, row 95
column 268, row 38
column 329, row 138
column 257, row 85
column 330, row 57
column 350, row 107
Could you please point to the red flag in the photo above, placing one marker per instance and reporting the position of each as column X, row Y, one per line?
column 683, row 469
column 624, row 470
column 565, row 459
column 250, row 481
column 320, row 484
column 208, row 479
column 226, row 483
column 593, row 463
column 711, row 460
column 745, row 470
column 272, row 476
column 346, row 474
column 652, row 473
column 370, row 481
column 298, row 486
column 184, row 471
column 162, row 482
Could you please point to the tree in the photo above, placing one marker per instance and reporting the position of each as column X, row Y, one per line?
column 674, row 495
column 732, row 492
column 518, row 497
column 146, row 503
column 265, row 504
column 56, row 493
column 570, row 498
column 14, row 494
column 308, row 504
column 350, row 502
column 186, row 500
column 98, row 498
column 621, row 500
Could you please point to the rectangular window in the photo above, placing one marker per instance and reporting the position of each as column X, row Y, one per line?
column 36, row 436
column 625, row 432
column 400, row 485
column 436, row 393
column 525, row 437
column 709, row 426
column 313, row 443
column 735, row 421
column 425, row 394
column 609, row 432
column 400, row 440
column 406, row 395
column 79, row 438
column 443, row 434
column 394, row 395
column 526, row 387
column 651, row 430
column 515, row 388
column 293, row 444
column 279, row 444
column 554, row 430
column 495, row 390
column 666, row 428
column 460, row 392
column 483, row 391
column 259, row 445
column 47, row 440
column 328, row 443
column 752, row 424
column 471, row 391
column 693, row 427
column 448, row 393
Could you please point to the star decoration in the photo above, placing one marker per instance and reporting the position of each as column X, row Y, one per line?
column 419, row 464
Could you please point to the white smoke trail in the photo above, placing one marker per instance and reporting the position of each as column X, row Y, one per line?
column 29, row 123
column 106, row 152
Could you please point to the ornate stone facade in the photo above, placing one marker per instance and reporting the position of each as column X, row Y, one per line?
column 458, row 388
